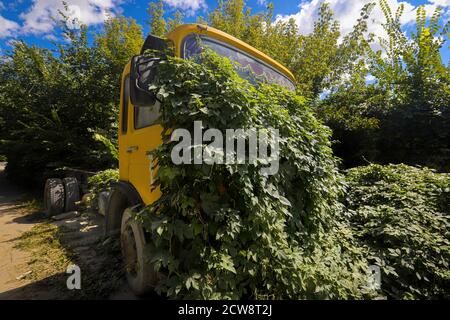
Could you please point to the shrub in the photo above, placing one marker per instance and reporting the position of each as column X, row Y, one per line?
column 227, row 231
column 59, row 106
column 101, row 182
column 400, row 217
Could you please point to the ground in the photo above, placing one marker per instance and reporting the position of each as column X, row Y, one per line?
column 35, row 251
column 12, row 225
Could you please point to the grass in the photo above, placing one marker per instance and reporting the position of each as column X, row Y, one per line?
column 52, row 251
column 33, row 205
column 43, row 241
column 48, row 255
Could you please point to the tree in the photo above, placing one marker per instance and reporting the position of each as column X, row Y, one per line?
column 159, row 26
column 51, row 105
column 318, row 60
column 416, row 128
column 156, row 21
column 230, row 17
column 401, row 115
column 120, row 40
column 313, row 59
column 176, row 21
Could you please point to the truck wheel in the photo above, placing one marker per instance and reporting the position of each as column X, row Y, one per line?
column 140, row 274
column 53, row 197
column 72, row 193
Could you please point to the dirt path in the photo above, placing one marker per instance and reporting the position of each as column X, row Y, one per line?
column 35, row 252
column 12, row 225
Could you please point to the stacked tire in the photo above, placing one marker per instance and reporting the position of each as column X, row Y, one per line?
column 60, row 195
column 72, row 193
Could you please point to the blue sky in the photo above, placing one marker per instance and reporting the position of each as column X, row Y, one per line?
column 31, row 19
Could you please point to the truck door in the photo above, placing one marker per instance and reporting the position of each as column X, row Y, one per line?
column 123, row 126
column 144, row 136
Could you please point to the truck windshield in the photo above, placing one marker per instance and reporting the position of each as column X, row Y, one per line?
column 248, row 67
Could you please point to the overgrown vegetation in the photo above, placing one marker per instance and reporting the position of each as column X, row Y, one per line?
column 55, row 105
column 401, row 115
column 407, row 103
column 48, row 255
column 61, row 109
column 229, row 231
column 400, row 216
column 102, row 181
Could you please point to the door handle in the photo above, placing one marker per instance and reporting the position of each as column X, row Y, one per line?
column 132, row 149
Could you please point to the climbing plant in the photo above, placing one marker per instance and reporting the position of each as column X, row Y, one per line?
column 229, row 231
column 400, row 216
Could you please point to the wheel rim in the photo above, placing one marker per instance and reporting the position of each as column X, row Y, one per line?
column 129, row 251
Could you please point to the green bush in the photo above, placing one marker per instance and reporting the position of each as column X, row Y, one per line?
column 50, row 113
column 59, row 107
column 226, row 231
column 403, row 116
column 102, row 181
column 400, row 216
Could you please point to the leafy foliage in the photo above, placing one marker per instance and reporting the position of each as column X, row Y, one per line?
column 159, row 26
column 227, row 231
column 400, row 215
column 318, row 60
column 55, row 106
column 114, row 152
column 223, row 231
column 400, row 115
column 157, row 22
column 121, row 38
column 102, row 181
column 406, row 103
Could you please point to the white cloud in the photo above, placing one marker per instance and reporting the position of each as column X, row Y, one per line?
column 347, row 13
column 262, row 3
column 442, row 3
column 189, row 6
column 38, row 18
column 433, row 4
column 8, row 28
column 50, row 37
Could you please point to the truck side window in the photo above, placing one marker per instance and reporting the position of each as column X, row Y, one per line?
column 146, row 116
column 126, row 97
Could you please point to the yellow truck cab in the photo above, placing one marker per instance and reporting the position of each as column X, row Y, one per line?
column 139, row 133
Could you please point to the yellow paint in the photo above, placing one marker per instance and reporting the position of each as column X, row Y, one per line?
column 134, row 167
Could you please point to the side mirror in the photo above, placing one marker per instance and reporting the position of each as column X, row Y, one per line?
column 142, row 76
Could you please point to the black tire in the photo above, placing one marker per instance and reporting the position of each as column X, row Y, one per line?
column 116, row 206
column 141, row 276
column 72, row 193
column 54, row 197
